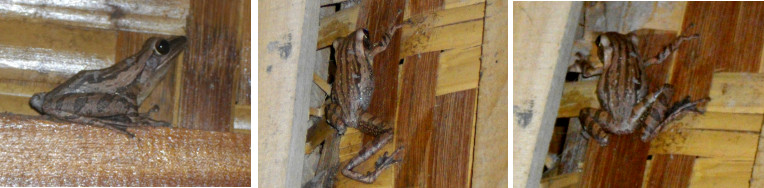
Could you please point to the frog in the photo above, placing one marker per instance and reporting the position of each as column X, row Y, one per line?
column 110, row 97
column 622, row 90
column 348, row 103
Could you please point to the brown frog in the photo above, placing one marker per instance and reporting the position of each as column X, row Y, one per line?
column 350, row 96
column 110, row 97
column 622, row 91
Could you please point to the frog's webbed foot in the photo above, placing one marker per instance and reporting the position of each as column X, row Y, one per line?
column 365, row 153
column 386, row 160
column 592, row 123
column 676, row 111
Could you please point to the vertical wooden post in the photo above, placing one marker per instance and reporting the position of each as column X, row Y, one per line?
column 287, row 47
column 541, row 57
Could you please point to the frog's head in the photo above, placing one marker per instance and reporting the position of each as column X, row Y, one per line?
column 155, row 59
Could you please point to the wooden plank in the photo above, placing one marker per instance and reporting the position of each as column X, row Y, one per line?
column 243, row 77
column 757, row 180
column 747, row 37
column 339, row 24
column 93, row 156
column 707, row 143
column 577, row 96
column 438, row 38
column 212, row 36
column 670, row 171
column 715, row 172
column 285, row 55
column 459, row 70
column 737, row 93
column 541, row 57
column 574, row 151
column 415, row 118
column 721, row 121
column 615, row 165
column 130, row 43
column 343, row 22
column 452, row 139
column 165, row 17
column 565, row 180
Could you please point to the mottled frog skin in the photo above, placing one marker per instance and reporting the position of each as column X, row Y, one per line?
column 622, row 91
column 110, row 97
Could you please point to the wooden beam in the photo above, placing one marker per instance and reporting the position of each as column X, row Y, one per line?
column 565, row 180
column 53, row 153
column 707, row 143
column 541, row 57
column 737, row 93
column 719, row 172
column 285, row 54
column 212, row 39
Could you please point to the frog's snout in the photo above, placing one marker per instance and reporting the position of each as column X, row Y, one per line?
column 36, row 101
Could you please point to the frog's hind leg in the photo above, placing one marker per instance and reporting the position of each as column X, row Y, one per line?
column 660, row 116
column 593, row 121
column 370, row 124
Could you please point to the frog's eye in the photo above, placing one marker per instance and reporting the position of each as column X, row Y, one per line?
column 162, row 47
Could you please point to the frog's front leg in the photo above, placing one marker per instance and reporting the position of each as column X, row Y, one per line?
column 369, row 124
column 673, row 47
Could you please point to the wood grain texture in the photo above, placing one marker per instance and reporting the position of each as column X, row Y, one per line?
column 541, row 57
column 490, row 166
column 128, row 44
column 670, row 171
column 565, row 180
column 732, row 21
column 243, row 77
column 206, row 99
column 715, row 172
column 286, row 55
column 450, row 162
column 415, row 118
column 52, row 153
column 627, row 153
column 415, row 110
column 734, row 92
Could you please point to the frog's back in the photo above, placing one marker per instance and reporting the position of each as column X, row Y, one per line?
column 621, row 81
